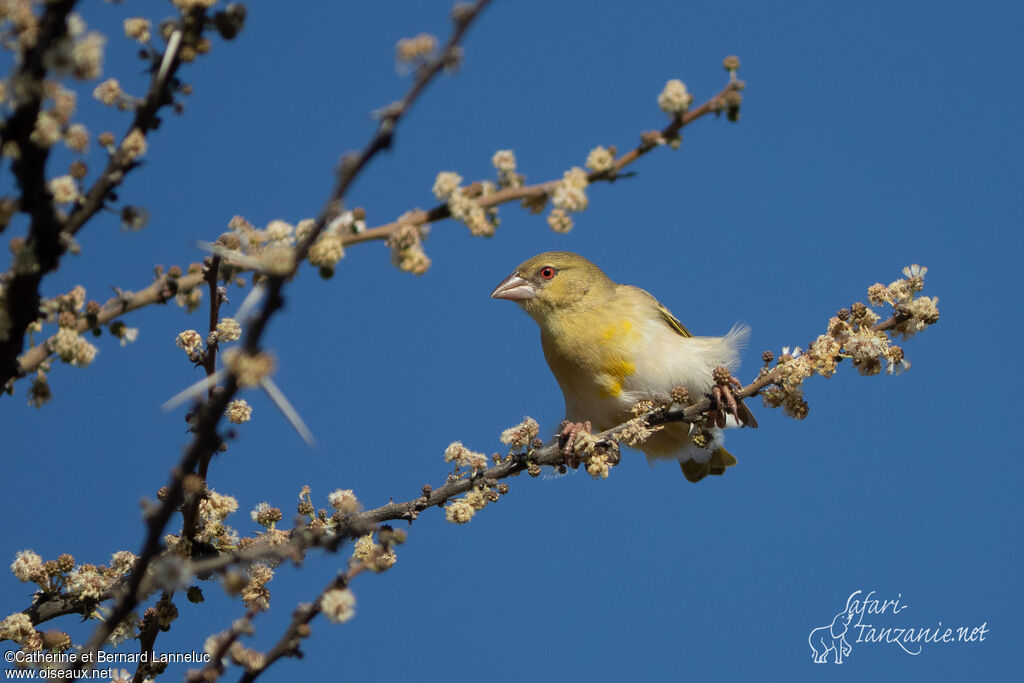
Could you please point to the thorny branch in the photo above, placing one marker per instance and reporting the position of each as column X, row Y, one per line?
column 206, row 439
column 282, row 545
column 134, row 587
column 165, row 286
column 49, row 234
column 303, row 538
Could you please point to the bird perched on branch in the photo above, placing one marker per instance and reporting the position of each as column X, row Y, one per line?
column 611, row 346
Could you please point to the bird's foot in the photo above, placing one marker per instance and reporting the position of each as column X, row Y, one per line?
column 725, row 402
column 567, row 437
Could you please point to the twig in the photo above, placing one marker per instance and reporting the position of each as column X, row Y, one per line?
column 206, row 439
column 214, row 668
column 164, row 287
column 48, row 236
column 301, row 539
column 161, row 290
column 288, row 643
column 147, row 639
column 190, row 514
column 44, row 246
column 511, row 194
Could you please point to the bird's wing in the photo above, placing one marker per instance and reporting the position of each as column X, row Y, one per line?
column 673, row 321
column 664, row 313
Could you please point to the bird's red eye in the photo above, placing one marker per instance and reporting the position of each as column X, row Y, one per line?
column 547, row 272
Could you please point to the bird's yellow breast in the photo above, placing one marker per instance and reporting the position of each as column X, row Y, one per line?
column 593, row 360
column 614, row 375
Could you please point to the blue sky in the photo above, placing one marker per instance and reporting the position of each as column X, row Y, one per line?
column 873, row 135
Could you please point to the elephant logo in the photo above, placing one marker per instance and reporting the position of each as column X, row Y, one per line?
column 832, row 638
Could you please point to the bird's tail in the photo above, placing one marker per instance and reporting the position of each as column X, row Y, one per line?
column 735, row 339
column 719, row 461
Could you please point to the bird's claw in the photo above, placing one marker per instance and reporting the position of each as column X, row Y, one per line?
column 567, row 436
column 726, row 403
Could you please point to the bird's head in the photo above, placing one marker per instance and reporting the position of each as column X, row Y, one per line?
column 552, row 282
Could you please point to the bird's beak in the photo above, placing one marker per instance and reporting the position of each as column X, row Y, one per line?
column 514, row 288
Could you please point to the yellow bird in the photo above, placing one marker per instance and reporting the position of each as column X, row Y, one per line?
column 611, row 345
